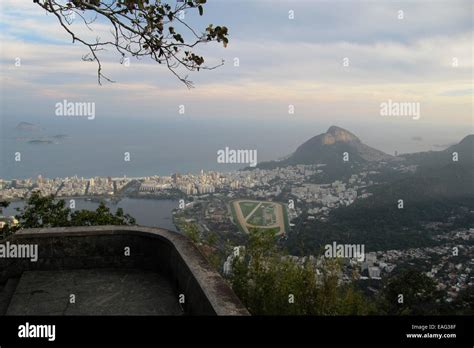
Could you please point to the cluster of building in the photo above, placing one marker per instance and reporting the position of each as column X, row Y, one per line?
column 450, row 264
column 209, row 182
column 327, row 196
column 62, row 187
column 47, row 186
column 73, row 187
column 14, row 189
column 316, row 199
column 259, row 183
column 101, row 186
column 189, row 184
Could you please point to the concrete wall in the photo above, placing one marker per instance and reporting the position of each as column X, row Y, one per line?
column 169, row 253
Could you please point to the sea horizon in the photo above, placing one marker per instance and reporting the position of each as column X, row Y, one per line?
column 163, row 146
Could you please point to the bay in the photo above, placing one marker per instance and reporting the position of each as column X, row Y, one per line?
column 147, row 212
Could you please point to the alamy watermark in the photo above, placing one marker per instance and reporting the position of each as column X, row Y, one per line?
column 335, row 250
column 21, row 251
column 237, row 156
column 77, row 109
column 28, row 330
column 405, row 109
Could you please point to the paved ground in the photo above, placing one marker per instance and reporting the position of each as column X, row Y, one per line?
column 97, row 292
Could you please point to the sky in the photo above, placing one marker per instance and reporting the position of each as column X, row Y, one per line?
column 282, row 62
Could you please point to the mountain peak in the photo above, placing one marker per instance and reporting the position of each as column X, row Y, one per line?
column 468, row 139
column 337, row 134
column 334, row 129
column 328, row 148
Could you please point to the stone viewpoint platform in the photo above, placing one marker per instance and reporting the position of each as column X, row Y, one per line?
column 112, row 270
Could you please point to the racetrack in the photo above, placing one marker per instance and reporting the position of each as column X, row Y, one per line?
column 243, row 221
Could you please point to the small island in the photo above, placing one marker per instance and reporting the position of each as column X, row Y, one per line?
column 40, row 141
column 28, row 127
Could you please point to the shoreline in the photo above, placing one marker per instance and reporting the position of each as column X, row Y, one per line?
column 100, row 198
column 143, row 210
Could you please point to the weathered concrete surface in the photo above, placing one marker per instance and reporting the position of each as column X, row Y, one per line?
column 6, row 293
column 96, row 292
column 151, row 249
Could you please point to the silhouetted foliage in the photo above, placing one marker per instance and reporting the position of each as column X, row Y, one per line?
column 5, row 231
column 47, row 211
column 420, row 296
column 141, row 29
column 269, row 283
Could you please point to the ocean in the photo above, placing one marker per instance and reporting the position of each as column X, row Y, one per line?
column 164, row 146
column 156, row 147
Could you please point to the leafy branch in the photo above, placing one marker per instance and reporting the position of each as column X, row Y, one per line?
column 141, row 28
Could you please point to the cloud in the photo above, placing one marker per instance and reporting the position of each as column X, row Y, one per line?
column 458, row 92
column 280, row 62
